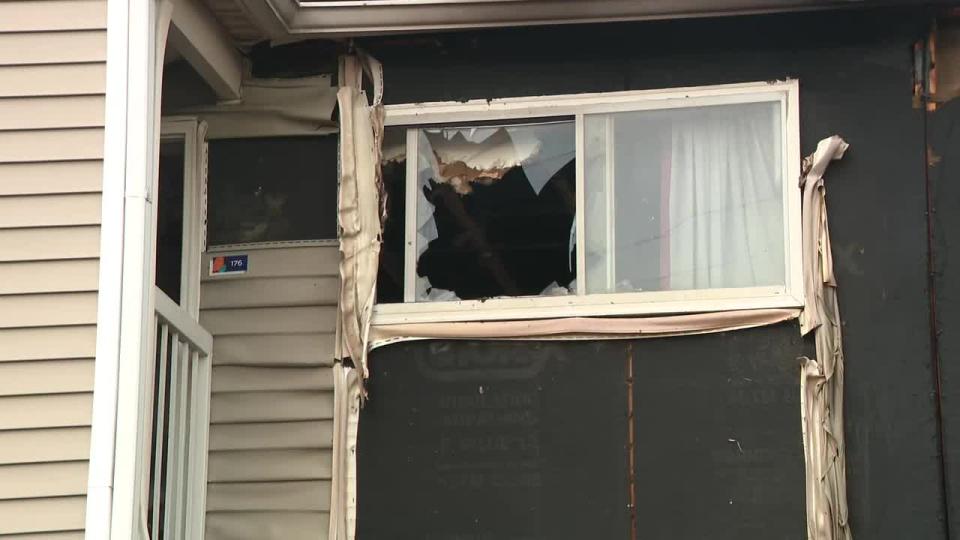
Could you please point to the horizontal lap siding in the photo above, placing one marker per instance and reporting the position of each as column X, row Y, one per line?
column 52, row 83
column 271, row 412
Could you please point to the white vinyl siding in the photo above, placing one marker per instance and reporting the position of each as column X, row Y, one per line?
column 271, row 411
column 52, row 80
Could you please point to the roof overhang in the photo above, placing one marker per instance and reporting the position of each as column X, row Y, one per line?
column 283, row 19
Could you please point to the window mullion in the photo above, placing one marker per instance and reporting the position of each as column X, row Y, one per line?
column 610, row 202
column 580, row 211
column 410, row 223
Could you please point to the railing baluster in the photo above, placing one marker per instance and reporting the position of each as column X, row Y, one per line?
column 158, row 435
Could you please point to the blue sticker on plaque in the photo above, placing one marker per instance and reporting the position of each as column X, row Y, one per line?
column 228, row 264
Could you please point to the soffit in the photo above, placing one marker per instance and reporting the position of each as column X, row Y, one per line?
column 285, row 20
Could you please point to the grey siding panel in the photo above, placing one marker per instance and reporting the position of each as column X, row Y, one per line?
column 52, row 84
column 271, row 412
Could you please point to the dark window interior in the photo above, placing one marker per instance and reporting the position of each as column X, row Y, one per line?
column 272, row 189
column 170, row 219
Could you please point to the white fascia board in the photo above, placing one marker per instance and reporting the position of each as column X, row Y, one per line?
column 340, row 18
column 197, row 35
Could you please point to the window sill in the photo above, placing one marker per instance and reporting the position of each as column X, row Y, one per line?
column 595, row 305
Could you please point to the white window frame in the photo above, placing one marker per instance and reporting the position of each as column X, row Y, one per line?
column 600, row 304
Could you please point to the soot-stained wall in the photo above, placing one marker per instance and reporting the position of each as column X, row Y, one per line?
column 717, row 417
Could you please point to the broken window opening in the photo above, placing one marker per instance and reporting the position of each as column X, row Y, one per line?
column 495, row 212
column 681, row 201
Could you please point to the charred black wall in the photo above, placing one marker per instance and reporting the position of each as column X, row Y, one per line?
column 717, row 417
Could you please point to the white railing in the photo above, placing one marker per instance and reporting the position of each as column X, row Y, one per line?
column 181, row 414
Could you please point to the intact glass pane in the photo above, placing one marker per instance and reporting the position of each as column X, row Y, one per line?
column 495, row 211
column 272, row 189
column 688, row 198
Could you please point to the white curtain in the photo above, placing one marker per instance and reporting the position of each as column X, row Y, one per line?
column 726, row 198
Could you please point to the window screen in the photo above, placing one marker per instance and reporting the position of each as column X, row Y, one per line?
column 272, row 190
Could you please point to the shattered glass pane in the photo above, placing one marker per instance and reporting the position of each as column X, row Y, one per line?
column 496, row 210
column 394, row 167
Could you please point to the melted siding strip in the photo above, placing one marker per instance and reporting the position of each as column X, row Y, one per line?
column 272, row 435
column 306, row 496
column 268, row 465
column 253, row 350
column 261, row 525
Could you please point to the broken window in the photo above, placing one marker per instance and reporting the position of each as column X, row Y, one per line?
column 495, row 209
column 680, row 199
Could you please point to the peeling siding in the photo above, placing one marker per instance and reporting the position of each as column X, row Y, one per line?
column 272, row 405
column 52, row 83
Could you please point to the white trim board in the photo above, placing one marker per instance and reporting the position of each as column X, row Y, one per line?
column 282, row 18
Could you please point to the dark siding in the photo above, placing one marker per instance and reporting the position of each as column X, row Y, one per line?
column 855, row 73
column 944, row 143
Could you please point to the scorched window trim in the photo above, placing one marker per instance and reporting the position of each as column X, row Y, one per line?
column 582, row 304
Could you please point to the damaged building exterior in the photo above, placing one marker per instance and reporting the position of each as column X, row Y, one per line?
column 479, row 269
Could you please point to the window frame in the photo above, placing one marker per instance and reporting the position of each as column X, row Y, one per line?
column 583, row 304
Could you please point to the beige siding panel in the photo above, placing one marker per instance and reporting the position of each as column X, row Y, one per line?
column 55, row 410
column 44, row 445
column 43, row 480
column 303, row 496
column 270, row 406
column 33, row 15
column 60, row 535
column 54, row 177
column 269, row 320
column 47, row 343
column 40, row 244
column 53, row 47
column 264, row 435
column 50, row 145
column 283, row 262
column 49, row 210
column 48, row 276
column 283, row 349
column 245, row 379
column 51, row 112
column 270, row 292
column 49, row 80
column 32, row 515
column 263, row 525
column 268, row 465
column 46, row 377
column 48, row 309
